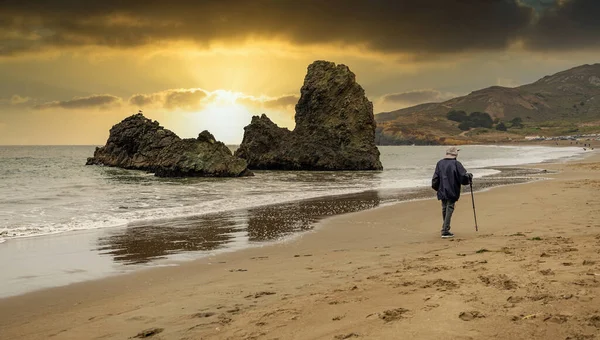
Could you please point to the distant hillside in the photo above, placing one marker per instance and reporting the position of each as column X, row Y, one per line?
column 567, row 102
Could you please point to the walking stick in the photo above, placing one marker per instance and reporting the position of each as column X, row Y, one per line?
column 473, row 200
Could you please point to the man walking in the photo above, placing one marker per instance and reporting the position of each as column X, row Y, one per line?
column 449, row 175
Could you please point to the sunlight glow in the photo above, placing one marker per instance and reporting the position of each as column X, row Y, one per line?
column 224, row 118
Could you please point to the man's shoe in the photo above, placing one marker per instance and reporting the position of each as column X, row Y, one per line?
column 447, row 235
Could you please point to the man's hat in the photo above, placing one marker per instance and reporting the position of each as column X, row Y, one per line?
column 452, row 152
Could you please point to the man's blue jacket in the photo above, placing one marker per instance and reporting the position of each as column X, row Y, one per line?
column 449, row 175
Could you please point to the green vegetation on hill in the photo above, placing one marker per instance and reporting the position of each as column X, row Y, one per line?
column 564, row 103
column 472, row 120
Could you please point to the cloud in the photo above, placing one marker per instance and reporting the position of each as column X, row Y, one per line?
column 16, row 99
column 143, row 100
column 102, row 101
column 569, row 24
column 196, row 99
column 417, row 97
column 282, row 103
column 287, row 102
column 189, row 99
column 409, row 26
column 185, row 99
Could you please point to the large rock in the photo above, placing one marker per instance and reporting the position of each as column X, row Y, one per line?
column 141, row 144
column 335, row 127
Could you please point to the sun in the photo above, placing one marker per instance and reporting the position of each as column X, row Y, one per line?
column 224, row 118
column 224, row 97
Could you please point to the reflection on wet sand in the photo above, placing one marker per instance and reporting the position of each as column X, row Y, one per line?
column 276, row 221
column 145, row 242
column 142, row 243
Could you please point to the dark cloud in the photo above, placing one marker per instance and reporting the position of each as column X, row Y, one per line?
column 102, row 101
column 571, row 25
column 417, row 97
column 415, row 26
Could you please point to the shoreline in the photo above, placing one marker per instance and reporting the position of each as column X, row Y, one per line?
column 116, row 251
column 329, row 283
column 6, row 236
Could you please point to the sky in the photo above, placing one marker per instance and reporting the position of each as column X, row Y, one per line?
column 72, row 69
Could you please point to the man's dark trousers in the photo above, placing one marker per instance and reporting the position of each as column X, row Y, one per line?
column 447, row 210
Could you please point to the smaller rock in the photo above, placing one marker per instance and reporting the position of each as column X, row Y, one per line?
column 138, row 143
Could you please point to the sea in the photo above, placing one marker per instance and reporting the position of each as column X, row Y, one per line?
column 63, row 222
column 49, row 189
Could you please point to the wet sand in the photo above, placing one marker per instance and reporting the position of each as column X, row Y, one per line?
column 530, row 272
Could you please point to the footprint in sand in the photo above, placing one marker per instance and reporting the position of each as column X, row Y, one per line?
column 435, row 269
column 346, row 336
column 470, row 315
column 579, row 336
column 545, row 298
column 393, row 314
column 500, row 281
column 430, row 307
column 141, row 318
column 149, row 332
column 515, row 299
column 224, row 319
column 594, row 320
column 558, row 318
column 441, row 284
column 234, row 310
column 259, row 294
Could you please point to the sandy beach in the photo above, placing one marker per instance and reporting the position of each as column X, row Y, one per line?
column 531, row 271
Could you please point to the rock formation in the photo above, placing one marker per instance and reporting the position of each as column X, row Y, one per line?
column 141, row 144
column 335, row 127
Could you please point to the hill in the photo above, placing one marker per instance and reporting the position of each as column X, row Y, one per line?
column 567, row 102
